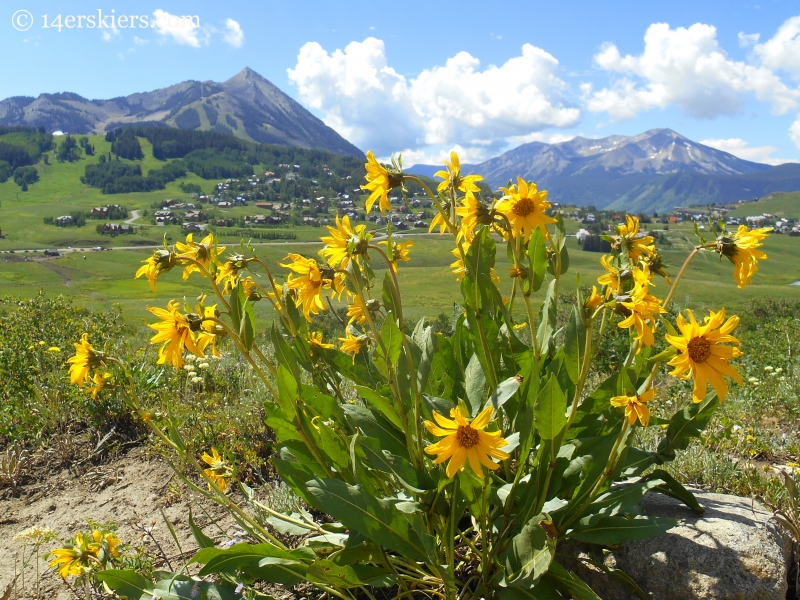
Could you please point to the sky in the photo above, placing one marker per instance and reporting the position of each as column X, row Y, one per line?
column 423, row 78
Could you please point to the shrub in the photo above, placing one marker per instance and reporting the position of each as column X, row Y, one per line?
column 439, row 464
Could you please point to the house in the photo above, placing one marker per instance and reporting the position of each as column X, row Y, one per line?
column 191, row 228
column 164, row 214
column 52, row 253
column 322, row 203
column 582, row 235
column 63, row 221
column 264, row 205
column 674, row 219
column 195, row 216
column 99, row 212
column 310, row 221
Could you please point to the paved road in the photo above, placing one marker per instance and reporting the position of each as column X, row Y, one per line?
column 134, row 217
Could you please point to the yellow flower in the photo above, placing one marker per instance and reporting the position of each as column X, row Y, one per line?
column 229, row 272
column 379, row 182
column 593, row 302
column 613, row 279
column 466, row 441
column 251, row 289
column 641, row 307
column 71, row 561
column 100, row 382
column 453, row 179
column 204, row 252
column 104, row 546
column 628, row 237
column 635, row 407
column 54, row 350
column 177, row 333
column 702, row 354
column 309, row 285
column 85, row 358
column 472, row 213
column 524, row 206
column 399, row 252
column 657, row 265
column 345, row 242
column 439, row 221
column 357, row 311
column 742, row 249
column 42, row 343
column 459, row 270
column 219, row 470
column 352, row 344
column 160, row 262
column 315, row 340
column 85, row 553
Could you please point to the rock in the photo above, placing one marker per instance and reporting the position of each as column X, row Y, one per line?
column 734, row 551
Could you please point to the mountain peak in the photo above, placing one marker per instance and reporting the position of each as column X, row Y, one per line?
column 246, row 105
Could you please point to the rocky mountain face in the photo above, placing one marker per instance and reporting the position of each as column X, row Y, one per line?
column 656, row 170
column 654, row 152
column 246, row 105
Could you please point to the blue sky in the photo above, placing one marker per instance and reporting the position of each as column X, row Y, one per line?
column 424, row 77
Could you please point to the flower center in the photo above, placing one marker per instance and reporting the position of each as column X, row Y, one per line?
column 524, row 207
column 699, row 348
column 466, row 436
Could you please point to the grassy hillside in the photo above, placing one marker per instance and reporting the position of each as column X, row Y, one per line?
column 781, row 204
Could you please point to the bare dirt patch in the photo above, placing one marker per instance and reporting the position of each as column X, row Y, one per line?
column 130, row 490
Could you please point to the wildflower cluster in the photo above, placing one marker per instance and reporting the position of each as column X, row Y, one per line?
column 450, row 466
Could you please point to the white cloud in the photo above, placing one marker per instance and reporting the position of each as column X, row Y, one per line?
column 738, row 147
column 182, row 30
column 794, row 132
column 368, row 102
column 748, row 39
column 233, row 33
column 782, row 51
column 684, row 67
column 139, row 41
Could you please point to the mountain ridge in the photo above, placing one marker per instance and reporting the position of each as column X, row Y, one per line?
column 658, row 169
column 246, row 105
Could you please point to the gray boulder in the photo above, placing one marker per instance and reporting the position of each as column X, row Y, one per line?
column 734, row 551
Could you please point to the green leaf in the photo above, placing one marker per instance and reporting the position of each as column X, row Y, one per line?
column 504, row 391
column 277, row 570
column 477, row 283
column 380, row 403
column 391, row 438
column 387, row 354
column 285, row 527
column 550, row 410
column 574, row 343
column 673, row 488
column 375, row 519
column 385, row 461
column 390, row 298
column 329, row 573
column 201, row 538
column 247, row 328
column 619, row 500
column 426, row 341
column 288, row 393
column 295, row 475
column 537, row 255
column 326, row 406
column 610, row 531
column 444, row 370
column 333, row 448
column 685, row 425
column 549, row 314
column 228, row 560
column 128, row 584
column 571, row 583
column 181, row 587
column 475, row 384
column 529, row 555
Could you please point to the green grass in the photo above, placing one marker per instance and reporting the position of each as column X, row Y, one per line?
column 781, row 204
column 59, row 192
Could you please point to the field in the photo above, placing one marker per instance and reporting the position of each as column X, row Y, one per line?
column 786, row 205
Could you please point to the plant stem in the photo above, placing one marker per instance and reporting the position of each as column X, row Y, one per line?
column 674, row 287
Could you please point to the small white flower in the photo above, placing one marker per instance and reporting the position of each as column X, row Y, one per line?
column 781, row 378
column 753, row 380
column 202, row 365
column 768, row 368
column 779, row 370
column 188, row 367
column 197, row 380
column 190, row 358
column 736, row 428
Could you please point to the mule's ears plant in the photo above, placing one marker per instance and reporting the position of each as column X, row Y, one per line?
column 449, row 466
